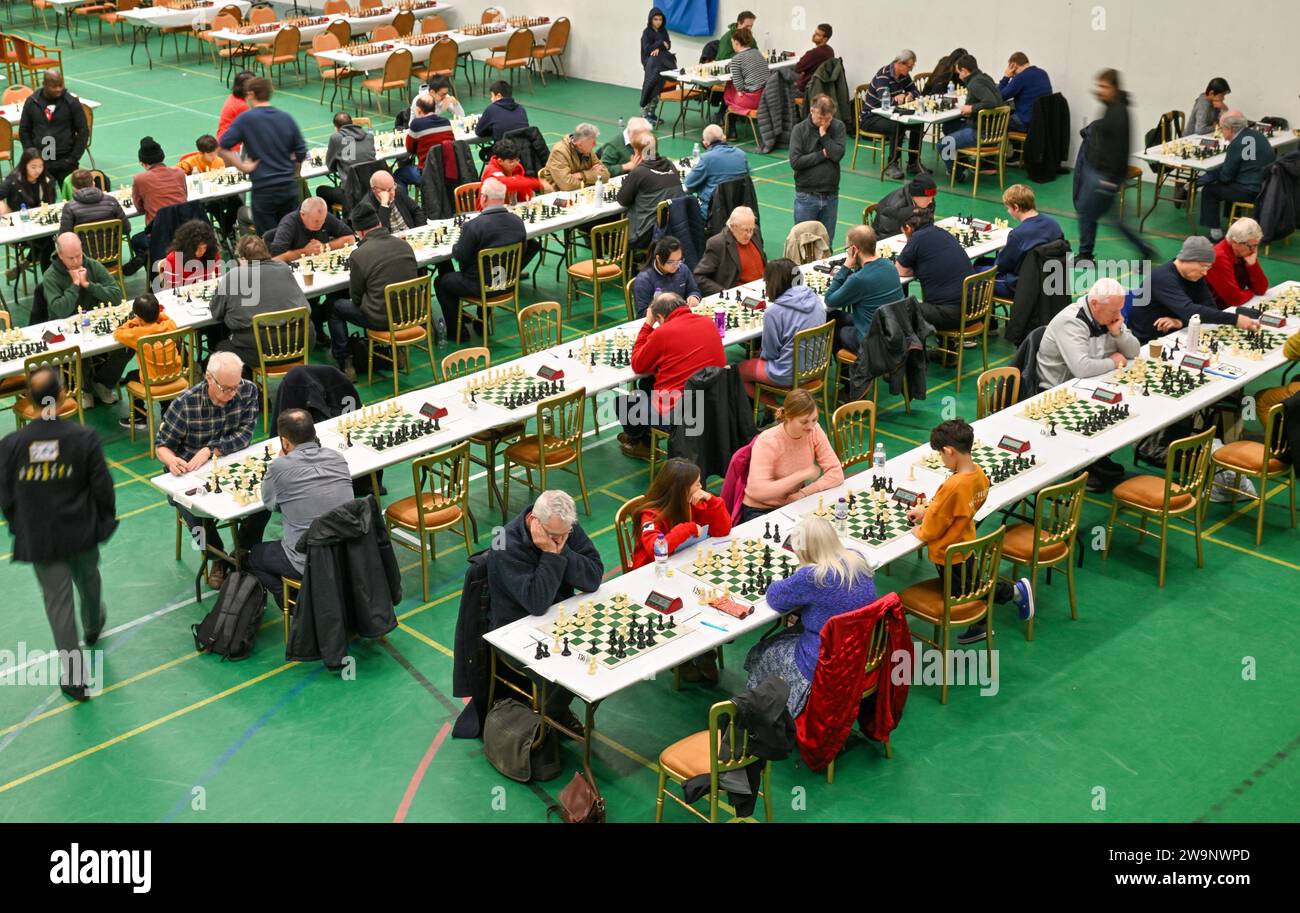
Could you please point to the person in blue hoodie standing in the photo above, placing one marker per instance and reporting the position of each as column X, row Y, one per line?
column 656, row 57
column 664, row 274
column 791, row 307
column 720, row 162
column 1023, row 84
column 503, row 115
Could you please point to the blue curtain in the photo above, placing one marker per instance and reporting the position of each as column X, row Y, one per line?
column 690, row 17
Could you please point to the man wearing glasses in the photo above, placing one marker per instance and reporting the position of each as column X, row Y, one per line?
column 1236, row 275
column 214, row 417
column 543, row 557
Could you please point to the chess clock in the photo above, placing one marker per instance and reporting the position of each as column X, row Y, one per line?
column 661, row 603
column 754, row 304
column 1276, row 321
column 1013, row 445
column 545, row 372
column 907, row 498
column 432, row 412
column 1195, row 362
column 50, row 336
column 1109, row 397
column 1210, row 143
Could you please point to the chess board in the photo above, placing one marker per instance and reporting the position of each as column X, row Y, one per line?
column 968, row 231
column 739, row 317
column 1079, row 416
column 1285, row 302
column 998, row 464
column 512, row 389
column 431, row 237
column 1149, row 377
column 1189, row 149
column 612, row 351
column 14, row 346
column 1239, row 342
column 589, row 632
column 242, row 481
column 101, row 321
column 742, row 570
column 533, row 213
column 816, row 280
column 197, row 292
column 866, row 510
column 385, row 428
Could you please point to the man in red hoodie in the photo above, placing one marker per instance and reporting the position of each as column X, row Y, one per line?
column 1236, row 275
column 506, row 168
column 673, row 344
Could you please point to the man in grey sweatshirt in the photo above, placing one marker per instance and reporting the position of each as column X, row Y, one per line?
column 1088, row 340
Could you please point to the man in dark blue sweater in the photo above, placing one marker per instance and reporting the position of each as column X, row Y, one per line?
column 1240, row 177
column 664, row 274
column 1177, row 290
column 503, row 115
column 494, row 226
column 1034, row 229
column 940, row 264
column 1023, row 84
column 275, row 150
column 545, row 557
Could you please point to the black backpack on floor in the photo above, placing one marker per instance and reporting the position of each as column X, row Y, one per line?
column 230, row 629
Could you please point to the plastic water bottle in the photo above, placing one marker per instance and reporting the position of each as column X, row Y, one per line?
column 695, row 154
column 661, row 555
column 720, row 321
column 842, row 516
column 952, row 87
column 768, row 47
column 878, row 457
column 600, row 191
column 622, row 124
column 440, row 330
column 1194, row 333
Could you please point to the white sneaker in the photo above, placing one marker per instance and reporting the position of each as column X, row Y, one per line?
column 1221, row 492
column 970, row 344
column 87, row 400
column 106, row 395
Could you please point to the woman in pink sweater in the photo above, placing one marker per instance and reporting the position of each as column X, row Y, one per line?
column 790, row 460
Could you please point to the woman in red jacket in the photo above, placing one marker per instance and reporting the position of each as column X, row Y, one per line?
column 681, row 509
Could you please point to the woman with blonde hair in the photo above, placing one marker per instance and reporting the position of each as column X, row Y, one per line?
column 830, row 581
column 790, row 460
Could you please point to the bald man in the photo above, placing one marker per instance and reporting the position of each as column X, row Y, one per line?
column 619, row 155
column 397, row 211
column 309, row 231
column 719, row 162
column 54, row 122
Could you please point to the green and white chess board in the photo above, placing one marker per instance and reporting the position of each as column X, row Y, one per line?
column 589, row 630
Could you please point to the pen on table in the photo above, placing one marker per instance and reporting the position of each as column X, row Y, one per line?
column 715, row 627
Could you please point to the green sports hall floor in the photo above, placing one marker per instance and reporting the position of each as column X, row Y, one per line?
column 1143, row 697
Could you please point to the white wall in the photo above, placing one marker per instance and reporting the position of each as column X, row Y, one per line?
column 1166, row 50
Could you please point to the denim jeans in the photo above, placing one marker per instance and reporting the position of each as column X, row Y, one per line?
column 961, row 138
column 817, row 207
column 408, row 176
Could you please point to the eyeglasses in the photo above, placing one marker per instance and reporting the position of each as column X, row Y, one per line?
column 220, row 386
column 673, row 262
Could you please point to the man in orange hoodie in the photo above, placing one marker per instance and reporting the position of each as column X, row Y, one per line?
column 149, row 320
column 506, row 168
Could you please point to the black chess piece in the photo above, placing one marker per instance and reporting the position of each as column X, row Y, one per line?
column 776, row 535
column 541, row 651
column 767, row 530
column 566, row 651
column 672, row 622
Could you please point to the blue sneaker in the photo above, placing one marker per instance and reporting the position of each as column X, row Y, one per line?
column 972, row 635
column 1024, row 598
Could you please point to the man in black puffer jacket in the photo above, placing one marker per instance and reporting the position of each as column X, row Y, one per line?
column 90, row 204
column 54, row 122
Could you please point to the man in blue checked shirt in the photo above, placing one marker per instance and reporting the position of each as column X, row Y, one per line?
column 213, row 418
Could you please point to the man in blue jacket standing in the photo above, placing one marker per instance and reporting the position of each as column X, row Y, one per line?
column 720, row 162
column 1240, row 177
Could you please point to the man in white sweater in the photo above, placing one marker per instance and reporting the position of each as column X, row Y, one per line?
column 1087, row 340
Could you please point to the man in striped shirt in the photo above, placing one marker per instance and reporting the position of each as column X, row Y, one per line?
column 211, row 419
column 894, row 81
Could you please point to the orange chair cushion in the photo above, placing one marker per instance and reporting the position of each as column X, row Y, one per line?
column 926, row 600
column 688, row 757
column 528, row 452
column 279, row 369
column 1248, row 456
column 437, row 511
column 27, row 409
column 1018, row 545
column 1017, row 136
column 1149, row 492
column 847, row 357
column 773, row 399
column 136, row 388
column 13, row 384
column 582, row 269
column 407, row 335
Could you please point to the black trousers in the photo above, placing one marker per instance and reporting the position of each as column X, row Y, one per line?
column 248, row 532
column 1002, row 591
column 874, row 123
column 268, row 563
column 1217, row 197
column 943, row 316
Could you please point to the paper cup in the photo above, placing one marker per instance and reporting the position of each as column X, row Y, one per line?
column 1155, row 348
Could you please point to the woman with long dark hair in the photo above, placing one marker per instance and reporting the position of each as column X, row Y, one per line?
column 656, row 57
column 680, row 509
column 29, row 186
column 945, row 72
column 194, row 255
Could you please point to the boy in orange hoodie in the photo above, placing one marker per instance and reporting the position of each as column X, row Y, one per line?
column 149, row 320
column 949, row 518
column 203, row 159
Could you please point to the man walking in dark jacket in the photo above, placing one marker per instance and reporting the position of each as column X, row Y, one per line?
column 379, row 259
column 1105, row 169
column 54, row 122
column 495, row 226
column 816, row 148
column 545, row 558
column 57, row 496
column 1240, row 177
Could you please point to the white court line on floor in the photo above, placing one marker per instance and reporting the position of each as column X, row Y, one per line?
column 154, row 101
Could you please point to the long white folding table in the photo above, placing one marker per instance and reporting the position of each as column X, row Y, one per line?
column 420, row 47
column 144, row 19
column 14, row 112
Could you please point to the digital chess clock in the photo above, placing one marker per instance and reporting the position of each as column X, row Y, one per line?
column 1276, row 321
column 907, row 498
column 661, row 603
column 50, row 336
column 754, row 304
column 1013, row 444
column 1195, row 362
column 1109, row 397
column 548, row 373
column 432, row 412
